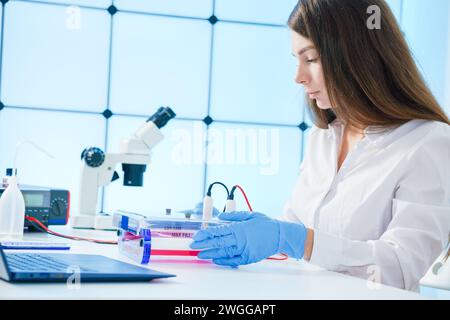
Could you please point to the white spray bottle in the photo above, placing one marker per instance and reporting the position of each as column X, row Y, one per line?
column 12, row 203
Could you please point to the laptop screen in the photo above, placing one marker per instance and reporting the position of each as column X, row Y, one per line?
column 4, row 271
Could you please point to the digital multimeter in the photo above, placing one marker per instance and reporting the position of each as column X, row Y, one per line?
column 50, row 206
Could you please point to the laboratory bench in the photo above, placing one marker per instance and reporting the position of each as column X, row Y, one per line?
column 199, row 280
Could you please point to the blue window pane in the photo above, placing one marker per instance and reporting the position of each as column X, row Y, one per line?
column 427, row 32
column 447, row 104
column 90, row 3
column 193, row 8
column 1, row 31
column 173, row 180
column 264, row 160
column 396, row 7
column 160, row 61
column 263, row 11
column 305, row 142
column 253, row 75
column 55, row 58
column 306, row 112
column 60, row 134
column 307, row 120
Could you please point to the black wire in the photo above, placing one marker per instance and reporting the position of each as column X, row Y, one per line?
column 231, row 195
column 37, row 226
column 223, row 185
column 220, row 183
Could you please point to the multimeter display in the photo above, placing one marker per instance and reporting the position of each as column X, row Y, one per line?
column 34, row 199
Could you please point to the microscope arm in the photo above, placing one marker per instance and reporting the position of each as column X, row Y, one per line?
column 93, row 178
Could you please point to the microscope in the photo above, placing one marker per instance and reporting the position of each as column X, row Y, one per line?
column 98, row 169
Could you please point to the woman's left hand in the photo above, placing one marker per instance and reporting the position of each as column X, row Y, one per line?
column 251, row 237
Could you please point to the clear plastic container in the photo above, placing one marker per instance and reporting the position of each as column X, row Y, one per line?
column 12, row 211
column 140, row 236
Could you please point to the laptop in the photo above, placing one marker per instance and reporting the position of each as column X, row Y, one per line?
column 47, row 267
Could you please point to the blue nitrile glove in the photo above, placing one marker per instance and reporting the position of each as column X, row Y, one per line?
column 251, row 238
column 198, row 211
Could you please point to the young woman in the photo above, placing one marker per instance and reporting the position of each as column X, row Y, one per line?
column 373, row 195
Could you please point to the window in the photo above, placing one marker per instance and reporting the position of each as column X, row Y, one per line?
column 427, row 31
column 196, row 8
column 89, row 3
column 54, row 60
column 160, row 61
column 253, row 75
column 63, row 134
column 264, row 160
column 259, row 11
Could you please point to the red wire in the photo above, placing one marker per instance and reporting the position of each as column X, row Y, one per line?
column 188, row 253
column 283, row 256
column 245, row 196
column 32, row 219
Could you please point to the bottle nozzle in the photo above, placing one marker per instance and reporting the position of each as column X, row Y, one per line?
column 19, row 145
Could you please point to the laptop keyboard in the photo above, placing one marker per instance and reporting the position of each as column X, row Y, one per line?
column 36, row 262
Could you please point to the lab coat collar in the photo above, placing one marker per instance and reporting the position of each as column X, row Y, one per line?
column 371, row 133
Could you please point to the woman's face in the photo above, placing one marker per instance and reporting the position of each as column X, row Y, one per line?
column 309, row 70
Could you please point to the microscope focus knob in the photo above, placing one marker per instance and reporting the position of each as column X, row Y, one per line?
column 94, row 157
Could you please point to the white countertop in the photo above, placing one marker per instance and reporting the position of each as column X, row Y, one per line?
column 198, row 280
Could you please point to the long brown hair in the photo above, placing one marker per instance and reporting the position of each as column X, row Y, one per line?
column 370, row 74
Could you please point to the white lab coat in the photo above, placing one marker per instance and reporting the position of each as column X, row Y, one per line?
column 385, row 216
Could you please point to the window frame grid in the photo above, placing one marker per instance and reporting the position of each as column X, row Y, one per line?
column 110, row 62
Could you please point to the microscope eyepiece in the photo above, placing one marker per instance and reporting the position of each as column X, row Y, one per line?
column 162, row 116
